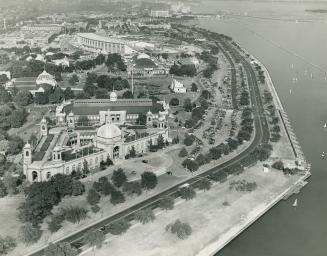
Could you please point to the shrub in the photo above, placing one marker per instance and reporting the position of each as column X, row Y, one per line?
column 187, row 193
column 74, row 214
column 30, row 234
column 145, row 216
column 218, row 176
column 119, row 226
column 133, row 187
column 182, row 230
column 149, row 180
column 117, row 197
column 167, row 203
column 7, row 244
column 93, row 197
column 118, row 177
column 279, row 165
column 243, row 185
column 95, row 208
column 55, row 223
column 78, row 188
column 183, row 152
column 204, row 184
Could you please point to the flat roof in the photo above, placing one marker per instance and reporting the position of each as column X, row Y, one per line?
column 96, row 37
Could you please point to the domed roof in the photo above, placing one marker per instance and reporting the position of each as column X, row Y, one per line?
column 46, row 78
column 113, row 96
column 143, row 56
column 56, row 148
column 109, row 131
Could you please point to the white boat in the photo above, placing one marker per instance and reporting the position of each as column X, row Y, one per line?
column 290, row 91
column 325, row 126
column 323, row 155
column 295, row 203
column 311, row 75
column 292, row 66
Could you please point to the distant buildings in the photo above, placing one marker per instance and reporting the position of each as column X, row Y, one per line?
column 177, row 87
column 143, row 65
column 159, row 13
column 54, row 28
column 101, row 43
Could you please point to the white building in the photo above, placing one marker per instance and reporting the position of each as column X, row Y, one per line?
column 177, row 87
column 103, row 44
column 159, row 13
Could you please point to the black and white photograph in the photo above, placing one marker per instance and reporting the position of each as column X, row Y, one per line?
column 163, row 127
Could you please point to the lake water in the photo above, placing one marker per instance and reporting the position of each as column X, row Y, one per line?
column 277, row 40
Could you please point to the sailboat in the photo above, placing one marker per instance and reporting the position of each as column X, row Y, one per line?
column 292, row 66
column 311, row 75
column 323, row 155
column 295, row 203
column 290, row 91
column 325, row 126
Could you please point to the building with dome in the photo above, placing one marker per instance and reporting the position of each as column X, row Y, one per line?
column 32, row 84
column 112, row 132
column 143, row 65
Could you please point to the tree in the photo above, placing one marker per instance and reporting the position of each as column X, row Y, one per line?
column 23, row 98
column 187, row 193
column 118, row 177
column 204, row 184
column 56, row 222
column 39, row 201
column 119, row 226
column 16, row 145
column 182, row 230
column 3, row 190
column 194, row 87
column 117, row 197
column 68, row 93
column 131, row 188
column 93, row 197
column 279, row 165
column 132, row 152
column 41, row 98
column 188, row 106
column 127, row 95
column 17, row 118
column 145, row 216
column 94, row 238
column 100, row 59
column 10, row 183
column 149, row 180
column 7, row 244
column 60, row 249
column 30, row 234
column 5, row 96
column 167, row 203
column 78, row 188
column 188, row 140
column 85, row 169
column 160, row 142
column 62, row 184
column 183, row 152
column 101, row 93
column 73, row 79
column 74, row 214
column 174, row 102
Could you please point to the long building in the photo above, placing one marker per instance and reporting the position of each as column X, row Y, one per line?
column 102, row 43
column 55, row 28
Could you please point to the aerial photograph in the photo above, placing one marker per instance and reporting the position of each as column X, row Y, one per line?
column 163, row 127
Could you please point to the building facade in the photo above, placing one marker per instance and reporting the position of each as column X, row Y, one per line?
column 103, row 44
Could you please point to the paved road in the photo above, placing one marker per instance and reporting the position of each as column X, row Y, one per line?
column 261, row 135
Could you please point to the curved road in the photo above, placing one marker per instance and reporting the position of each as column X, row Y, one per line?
column 261, row 135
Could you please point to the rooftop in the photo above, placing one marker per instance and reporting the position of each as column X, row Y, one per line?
column 96, row 37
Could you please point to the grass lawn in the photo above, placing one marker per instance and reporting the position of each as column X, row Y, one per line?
column 8, row 215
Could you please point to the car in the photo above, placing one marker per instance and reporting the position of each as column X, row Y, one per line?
column 145, row 161
column 185, row 185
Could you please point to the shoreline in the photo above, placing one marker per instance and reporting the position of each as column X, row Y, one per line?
column 214, row 247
